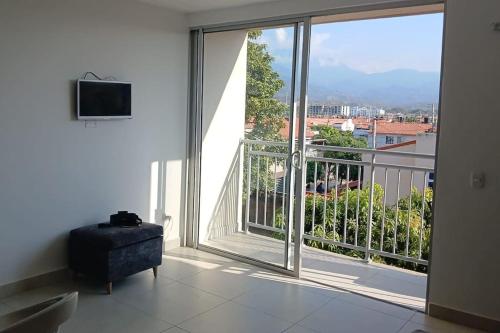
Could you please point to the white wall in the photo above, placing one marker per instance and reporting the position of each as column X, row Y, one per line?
column 381, row 139
column 224, row 92
column 55, row 174
column 465, row 270
column 425, row 144
column 392, row 174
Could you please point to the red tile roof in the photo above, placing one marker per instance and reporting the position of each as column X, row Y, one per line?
column 358, row 122
column 285, row 130
column 410, row 129
column 383, row 126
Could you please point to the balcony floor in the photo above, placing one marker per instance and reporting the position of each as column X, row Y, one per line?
column 387, row 283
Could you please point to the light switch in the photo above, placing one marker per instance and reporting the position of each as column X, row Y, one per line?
column 478, row 180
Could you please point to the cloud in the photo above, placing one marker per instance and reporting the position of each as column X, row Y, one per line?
column 282, row 59
column 321, row 52
column 281, row 35
column 318, row 38
column 283, row 40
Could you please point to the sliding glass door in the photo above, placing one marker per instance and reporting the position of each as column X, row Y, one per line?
column 250, row 137
column 317, row 175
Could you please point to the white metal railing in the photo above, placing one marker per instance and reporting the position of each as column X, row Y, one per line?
column 336, row 213
column 274, row 156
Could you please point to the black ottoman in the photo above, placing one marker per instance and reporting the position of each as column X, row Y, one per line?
column 112, row 253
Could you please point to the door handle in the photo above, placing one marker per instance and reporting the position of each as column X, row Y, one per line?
column 297, row 159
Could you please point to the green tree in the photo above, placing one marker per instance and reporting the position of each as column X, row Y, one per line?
column 336, row 137
column 263, row 110
column 328, row 218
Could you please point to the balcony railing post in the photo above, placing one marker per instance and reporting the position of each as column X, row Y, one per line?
column 370, row 203
column 370, row 210
column 249, row 178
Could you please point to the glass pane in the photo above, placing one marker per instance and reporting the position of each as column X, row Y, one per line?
column 246, row 95
column 373, row 83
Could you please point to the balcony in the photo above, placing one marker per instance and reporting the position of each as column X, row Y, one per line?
column 388, row 283
column 346, row 187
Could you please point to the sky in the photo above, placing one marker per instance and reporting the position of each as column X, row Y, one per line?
column 369, row 46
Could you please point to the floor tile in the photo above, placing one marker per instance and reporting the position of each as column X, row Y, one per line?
column 402, row 274
column 388, row 283
column 202, row 257
column 174, row 303
column 4, row 309
column 179, row 265
column 228, row 282
column 291, row 304
column 102, row 313
column 390, row 309
column 391, row 282
column 175, row 329
column 298, row 329
column 138, row 284
column 201, row 292
column 343, row 317
column 261, row 278
column 232, row 317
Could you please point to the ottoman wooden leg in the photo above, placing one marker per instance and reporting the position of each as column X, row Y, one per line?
column 155, row 271
column 109, row 287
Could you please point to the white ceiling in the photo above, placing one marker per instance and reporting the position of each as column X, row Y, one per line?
column 191, row 6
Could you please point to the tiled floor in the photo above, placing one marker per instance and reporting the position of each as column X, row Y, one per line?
column 384, row 282
column 200, row 292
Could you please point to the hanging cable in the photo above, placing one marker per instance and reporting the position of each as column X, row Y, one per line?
column 94, row 74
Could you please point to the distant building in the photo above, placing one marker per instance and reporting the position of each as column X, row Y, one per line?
column 363, row 111
column 389, row 133
column 423, row 143
column 340, row 110
column 360, row 111
column 319, row 110
column 315, row 110
column 361, row 125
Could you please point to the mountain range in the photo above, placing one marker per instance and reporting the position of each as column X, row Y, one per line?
column 404, row 88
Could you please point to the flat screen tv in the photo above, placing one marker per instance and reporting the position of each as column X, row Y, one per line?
column 101, row 100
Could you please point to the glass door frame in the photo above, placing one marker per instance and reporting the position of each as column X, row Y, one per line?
column 193, row 158
column 296, row 151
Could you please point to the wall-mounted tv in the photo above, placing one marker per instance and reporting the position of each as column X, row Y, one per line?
column 102, row 100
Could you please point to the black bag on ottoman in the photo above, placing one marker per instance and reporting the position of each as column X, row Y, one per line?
column 112, row 252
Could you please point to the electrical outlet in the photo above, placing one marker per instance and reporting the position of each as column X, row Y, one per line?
column 159, row 216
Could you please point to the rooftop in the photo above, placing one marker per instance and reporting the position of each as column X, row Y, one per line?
column 411, row 129
column 360, row 122
column 285, row 130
